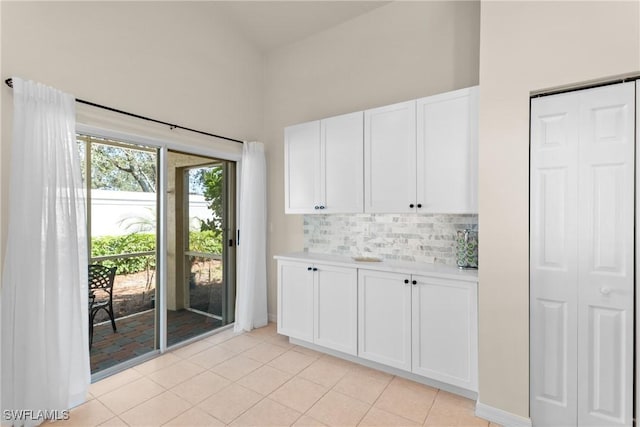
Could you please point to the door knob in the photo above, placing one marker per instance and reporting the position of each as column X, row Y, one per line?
column 605, row 290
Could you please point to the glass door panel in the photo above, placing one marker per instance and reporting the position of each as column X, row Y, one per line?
column 122, row 219
column 201, row 279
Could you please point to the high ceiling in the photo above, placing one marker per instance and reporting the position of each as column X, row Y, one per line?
column 272, row 24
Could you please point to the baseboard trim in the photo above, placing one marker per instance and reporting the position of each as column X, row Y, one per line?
column 388, row 369
column 501, row 417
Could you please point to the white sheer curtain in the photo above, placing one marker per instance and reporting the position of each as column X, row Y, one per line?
column 251, row 299
column 45, row 348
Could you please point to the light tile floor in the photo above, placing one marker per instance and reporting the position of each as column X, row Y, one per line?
column 260, row 379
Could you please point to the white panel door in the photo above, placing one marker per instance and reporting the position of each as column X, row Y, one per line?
column 342, row 160
column 447, row 134
column 553, row 260
column 390, row 158
column 295, row 300
column 581, row 257
column 445, row 331
column 302, row 168
column 606, row 256
column 336, row 308
column 637, row 244
column 384, row 318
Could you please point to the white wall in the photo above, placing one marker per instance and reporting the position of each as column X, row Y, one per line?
column 528, row 46
column 400, row 51
column 116, row 213
column 175, row 61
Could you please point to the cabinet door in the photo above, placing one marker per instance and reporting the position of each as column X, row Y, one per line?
column 302, row 168
column 295, row 300
column 390, row 158
column 342, row 146
column 447, row 169
column 336, row 308
column 384, row 318
column 445, row 336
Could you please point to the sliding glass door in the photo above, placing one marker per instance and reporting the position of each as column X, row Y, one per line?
column 201, row 222
column 123, row 214
column 121, row 180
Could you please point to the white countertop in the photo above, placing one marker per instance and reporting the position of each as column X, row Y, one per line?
column 433, row 270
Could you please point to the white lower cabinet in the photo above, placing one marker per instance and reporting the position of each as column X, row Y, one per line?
column 424, row 325
column 295, row 300
column 384, row 318
column 444, row 330
column 335, row 308
column 318, row 303
column 415, row 323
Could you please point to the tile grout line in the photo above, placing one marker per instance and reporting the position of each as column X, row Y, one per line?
column 318, row 399
column 377, row 398
column 433, row 403
column 285, row 405
column 240, row 385
column 332, row 388
column 145, row 376
column 294, row 377
column 135, row 406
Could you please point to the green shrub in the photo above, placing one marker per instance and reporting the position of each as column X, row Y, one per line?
column 208, row 241
column 200, row 241
column 130, row 243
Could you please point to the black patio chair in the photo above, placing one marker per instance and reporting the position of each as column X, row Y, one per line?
column 100, row 294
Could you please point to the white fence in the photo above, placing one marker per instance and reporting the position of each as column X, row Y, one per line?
column 115, row 213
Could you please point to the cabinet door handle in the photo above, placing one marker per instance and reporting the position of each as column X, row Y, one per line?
column 605, row 290
column 321, row 206
column 315, row 269
column 316, row 207
column 411, row 205
column 419, row 205
column 406, row 281
column 309, row 268
column 414, row 282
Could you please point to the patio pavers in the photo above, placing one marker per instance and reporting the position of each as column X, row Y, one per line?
column 135, row 335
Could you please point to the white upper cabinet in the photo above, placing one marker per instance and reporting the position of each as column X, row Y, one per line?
column 414, row 156
column 447, row 140
column 341, row 157
column 324, row 166
column 302, row 167
column 390, row 158
column 421, row 156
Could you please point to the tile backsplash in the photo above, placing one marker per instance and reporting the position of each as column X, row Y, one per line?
column 428, row 238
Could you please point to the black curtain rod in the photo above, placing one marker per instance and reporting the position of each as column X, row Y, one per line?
column 172, row 126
